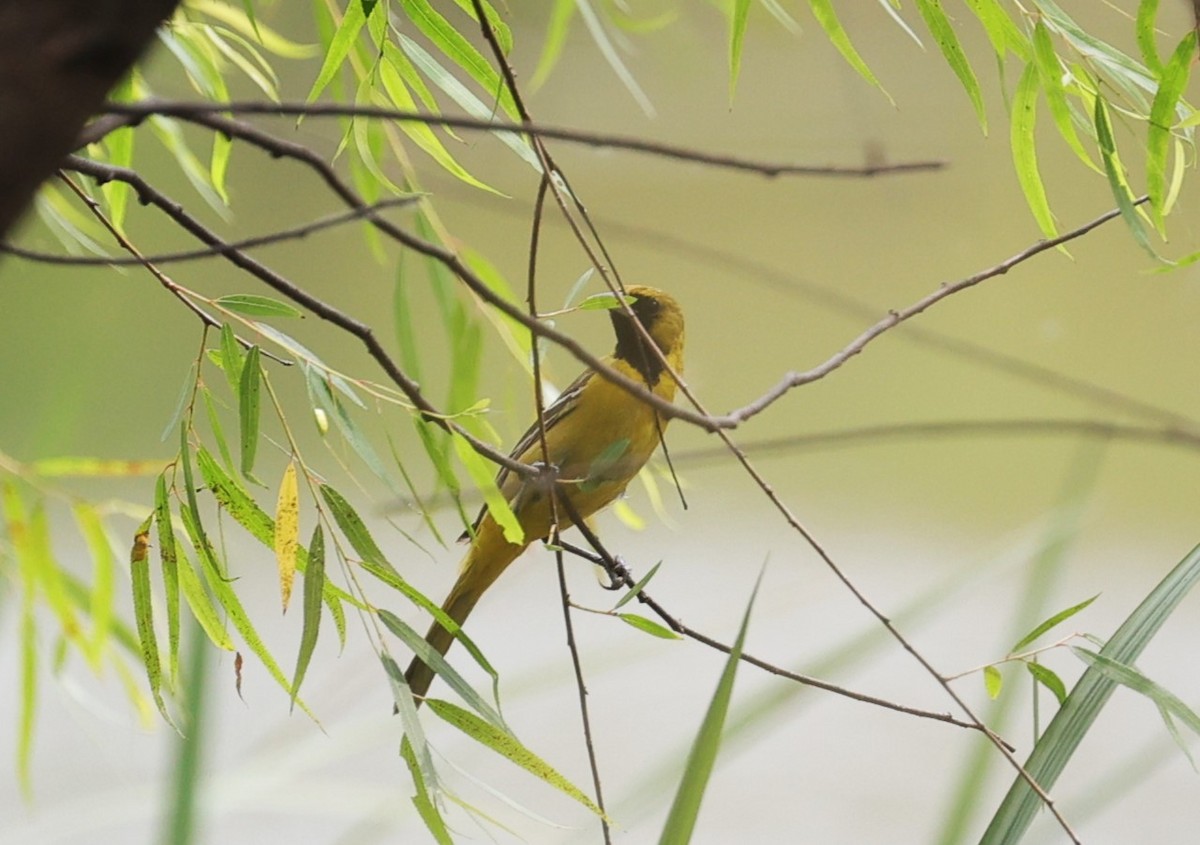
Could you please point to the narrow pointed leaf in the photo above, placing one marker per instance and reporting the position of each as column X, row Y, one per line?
column 509, row 747
column 287, row 532
column 314, row 585
column 441, row 667
column 249, row 389
column 1075, row 718
column 943, row 33
column 253, row 305
column 170, row 572
column 648, row 626
column 685, row 809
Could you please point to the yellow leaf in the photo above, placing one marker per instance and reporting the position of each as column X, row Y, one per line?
column 287, row 532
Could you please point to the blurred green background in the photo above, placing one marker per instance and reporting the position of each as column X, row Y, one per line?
column 92, row 363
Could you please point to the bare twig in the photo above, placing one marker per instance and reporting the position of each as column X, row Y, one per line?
column 953, row 428
column 540, row 403
column 621, row 575
column 894, row 318
column 295, row 233
column 135, row 112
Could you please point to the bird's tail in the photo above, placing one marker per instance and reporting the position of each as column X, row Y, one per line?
column 490, row 555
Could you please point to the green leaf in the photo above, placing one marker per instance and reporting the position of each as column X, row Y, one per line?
column 118, row 145
column 481, row 474
column 1128, row 676
column 823, row 11
column 320, row 396
column 1049, row 680
column 314, row 586
column 103, row 567
column 143, row 612
column 170, row 572
column 1000, row 29
column 232, row 357
column 507, row 746
column 218, row 431
column 338, row 49
column 421, row 133
column 295, row 347
column 737, row 34
column 943, row 33
column 17, row 525
column 681, row 821
column 1052, row 622
column 556, row 37
column 992, row 681
column 1144, row 27
column 1050, row 72
column 248, row 410
column 287, row 532
column 1115, row 171
column 441, row 667
column 460, row 51
column 1074, row 719
column 426, row 808
column 648, row 626
column 246, row 512
column 253, row 305
column 414, row 732
column 229, row 600
column 353, row 527
column 197, row 598
column 638, row 587
column 464, row 97
column 1172, row 84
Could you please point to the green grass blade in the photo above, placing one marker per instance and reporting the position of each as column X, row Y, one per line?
column 685, row 809
column 180, row 825
column 1075, row 718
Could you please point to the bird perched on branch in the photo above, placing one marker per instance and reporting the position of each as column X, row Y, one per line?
column 598, row 437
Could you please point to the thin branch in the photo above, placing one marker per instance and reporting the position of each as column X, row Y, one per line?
column 296, row 233
column 540, row 403
column 758, row 272
column 136, row 112
column 894, row 318
column 621, row 576
column 953, row 428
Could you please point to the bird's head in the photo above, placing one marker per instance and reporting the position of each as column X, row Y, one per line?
column 662, row 318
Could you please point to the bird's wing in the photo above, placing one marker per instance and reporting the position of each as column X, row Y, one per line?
column 559, row 410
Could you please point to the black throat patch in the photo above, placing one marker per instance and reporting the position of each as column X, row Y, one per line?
column 634, row 349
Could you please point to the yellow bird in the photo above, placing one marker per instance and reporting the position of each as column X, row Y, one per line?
column 597, row 435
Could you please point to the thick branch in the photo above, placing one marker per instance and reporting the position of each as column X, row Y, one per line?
column 58, row 60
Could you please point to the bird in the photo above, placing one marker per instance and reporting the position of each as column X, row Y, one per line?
column 598, row 437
